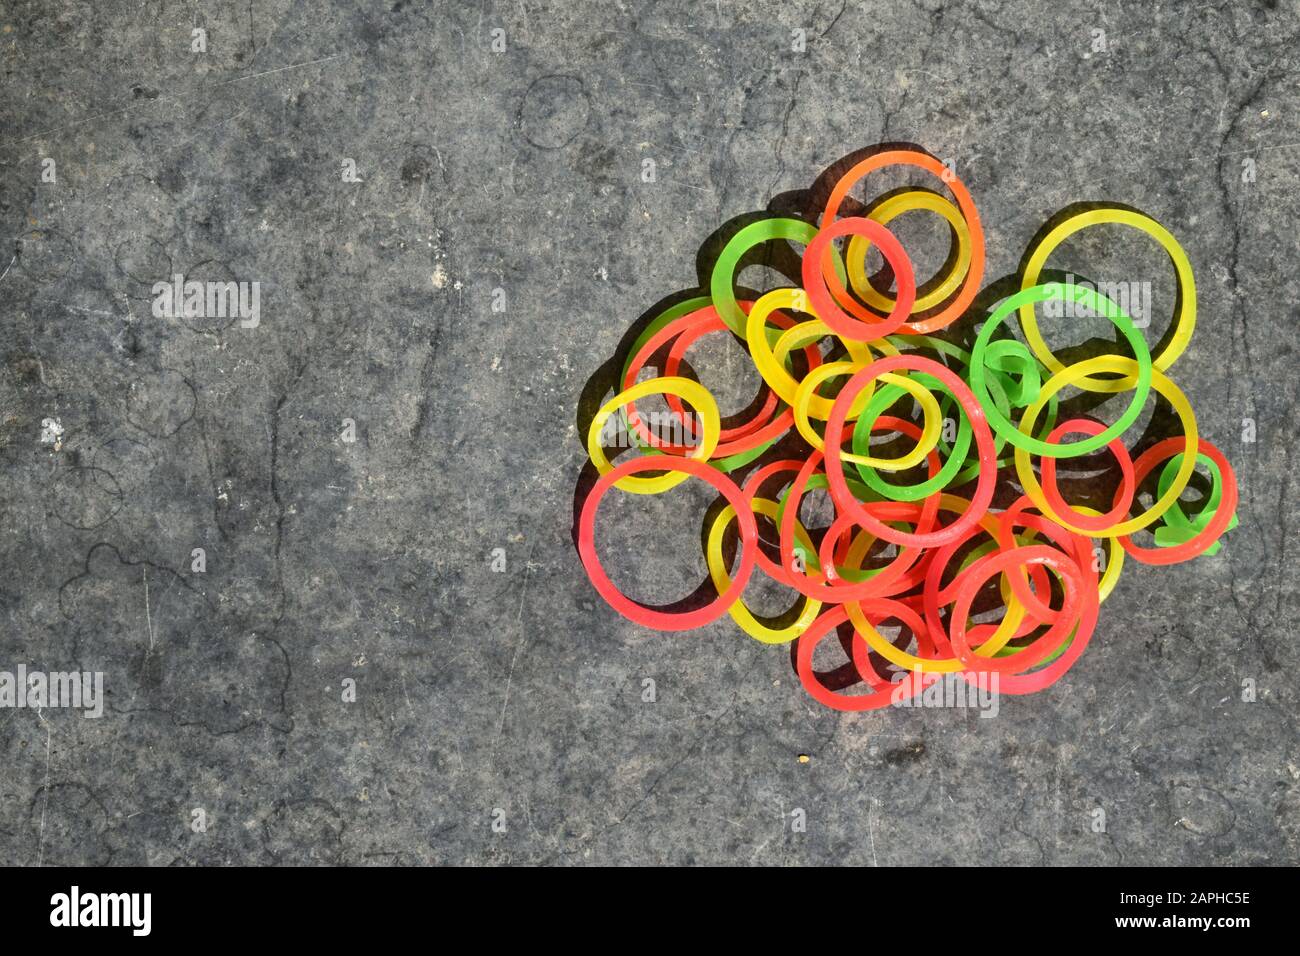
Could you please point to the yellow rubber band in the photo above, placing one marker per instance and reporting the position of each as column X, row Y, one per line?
column 772, row 367
column 690, row 391
column 1073, row 375
column 805, row 333
column 722, row 579
column 813, row 330
column 887, row 211
column 924, row 397
column 1184, row 320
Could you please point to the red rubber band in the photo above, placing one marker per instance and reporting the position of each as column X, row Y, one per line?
column 641, row 613
column 1042, row 646
column 1066, row 540
column 935, row 595
column 893, row 510
column 1123, row 495
column 1189, row 549
column 844, row 500
column 750, row 490
column 911, row 684
column 820, row 285
column 733, row 440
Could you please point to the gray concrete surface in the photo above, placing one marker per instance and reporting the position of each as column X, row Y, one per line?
column 517, row 697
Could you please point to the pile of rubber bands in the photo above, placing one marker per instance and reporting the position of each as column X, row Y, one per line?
column 925, row 558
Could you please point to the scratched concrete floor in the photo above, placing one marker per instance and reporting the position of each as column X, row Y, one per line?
column 518, row 696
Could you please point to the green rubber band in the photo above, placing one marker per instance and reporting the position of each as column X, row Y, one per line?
column 917, row 343
column 1177, row 528
column 742, row 458
column 722, row 284
column 880, row 401
column 1014, row 359
column 1000, row 399
column 1090, row 299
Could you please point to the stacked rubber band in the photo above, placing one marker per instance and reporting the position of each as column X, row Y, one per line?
column 931, row 556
